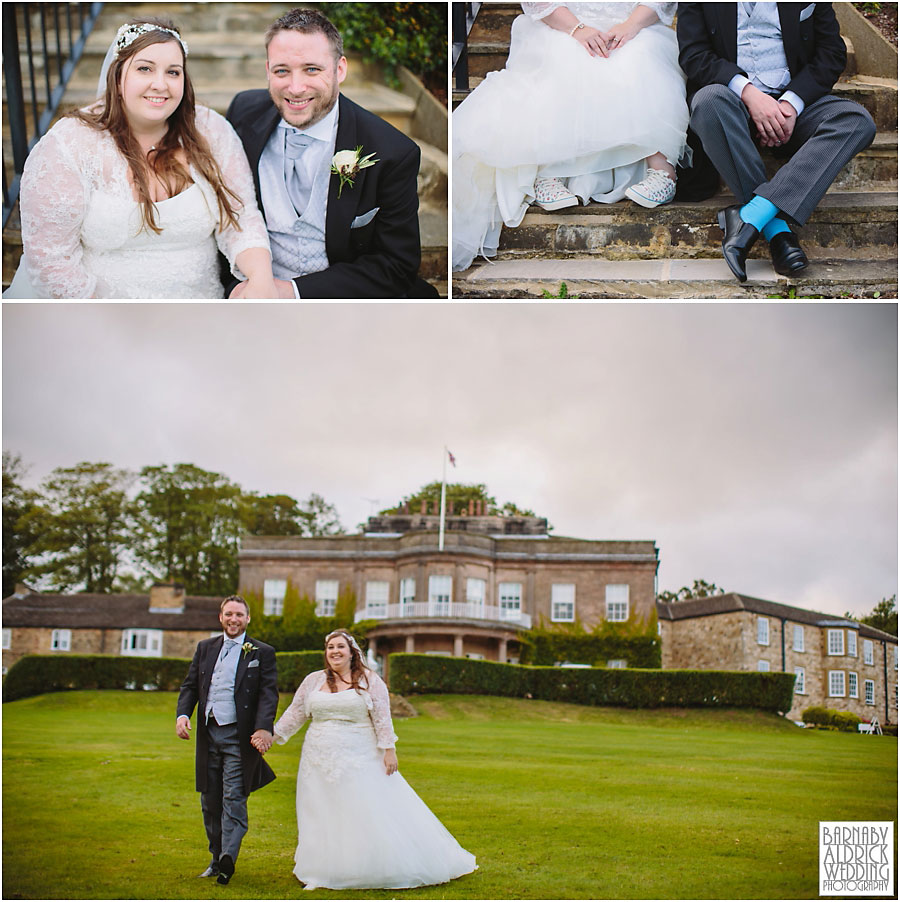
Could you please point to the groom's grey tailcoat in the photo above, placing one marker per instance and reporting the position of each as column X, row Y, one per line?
column 379, row 259
column 255, row 701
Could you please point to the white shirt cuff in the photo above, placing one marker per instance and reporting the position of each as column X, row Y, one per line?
column 296, row 289
column 738, row 83
column 795, row 101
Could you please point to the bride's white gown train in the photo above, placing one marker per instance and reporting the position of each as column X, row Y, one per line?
column 359, row 828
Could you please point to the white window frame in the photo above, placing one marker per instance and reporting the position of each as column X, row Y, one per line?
column 274, row 591
column 7, row 638
column 562, row 602
column 835, row 642
column 762, row 630
column 836, row 684
column 440, row 594
column 617, row 664
column 140, row 643
column 763, row 666
column 476, row 592
column 407, row 592
column 378, row 592
column 509, row 598
column 327, row 591
column 851, row 643
column 869, row 689
column 800, row 681
column 852, row 685
column 869, row 652
column 61, row 640
column 618, row 602
column 799, row 638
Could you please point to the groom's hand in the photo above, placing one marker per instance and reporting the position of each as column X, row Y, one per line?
column 183, row 727
column 262, row 740
column 767, row 116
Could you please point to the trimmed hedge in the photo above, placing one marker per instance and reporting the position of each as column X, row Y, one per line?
column 37, row 674
column 820, row 716
column 542, row 647
column 411, row 674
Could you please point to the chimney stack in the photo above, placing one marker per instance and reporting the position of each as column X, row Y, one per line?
column 167, row 598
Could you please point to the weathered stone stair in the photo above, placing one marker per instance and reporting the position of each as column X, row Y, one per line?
column 625, row 251
column 227, row 55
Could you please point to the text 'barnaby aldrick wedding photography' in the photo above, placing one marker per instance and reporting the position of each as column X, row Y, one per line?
column 856, row 858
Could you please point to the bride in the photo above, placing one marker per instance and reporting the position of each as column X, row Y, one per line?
column 130, row 197
column 360, row 823
column 591, row 106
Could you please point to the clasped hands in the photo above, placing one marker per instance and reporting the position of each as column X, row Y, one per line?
column 262, row 741
column 602, row 43
column 262, row 288
column 774, row 119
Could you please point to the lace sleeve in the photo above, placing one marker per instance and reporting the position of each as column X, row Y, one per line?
column 379, row 703
column 296, row 713
column 665, row 11
column 53, row 203
column 229, row 154
column 540, row 10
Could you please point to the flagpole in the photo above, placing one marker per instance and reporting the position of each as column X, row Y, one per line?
column 443, row 499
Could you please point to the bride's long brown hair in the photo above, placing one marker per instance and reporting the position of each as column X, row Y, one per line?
column 182, row 134
column 357, row 667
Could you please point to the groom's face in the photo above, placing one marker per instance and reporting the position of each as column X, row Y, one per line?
column 304, row 77
column 234, row 618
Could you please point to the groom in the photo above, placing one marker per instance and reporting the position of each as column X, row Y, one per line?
column 233, row 682
column 331, row 237
column 759, row 75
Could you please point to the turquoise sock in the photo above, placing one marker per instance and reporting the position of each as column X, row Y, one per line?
column 759, row 212
column 773, row 227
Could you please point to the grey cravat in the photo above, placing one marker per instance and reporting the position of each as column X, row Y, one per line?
column 298, row 185
column 749, row 8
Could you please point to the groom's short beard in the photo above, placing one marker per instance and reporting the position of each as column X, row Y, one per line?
column 317, row 110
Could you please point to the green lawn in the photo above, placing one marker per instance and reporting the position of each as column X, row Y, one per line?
column 556, row 801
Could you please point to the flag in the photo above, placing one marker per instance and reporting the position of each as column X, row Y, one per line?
column 452, row 458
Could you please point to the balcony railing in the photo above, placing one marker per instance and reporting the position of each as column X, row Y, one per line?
column 418, row 610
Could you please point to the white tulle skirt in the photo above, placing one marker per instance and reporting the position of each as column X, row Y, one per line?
column 358, row 827
column 557, row 111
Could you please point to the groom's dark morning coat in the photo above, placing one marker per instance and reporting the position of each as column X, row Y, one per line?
column 255, row 701
column 378, row 260
column 707, row 41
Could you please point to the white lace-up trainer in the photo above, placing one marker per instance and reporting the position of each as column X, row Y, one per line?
column 657, row 188
column 552, row 194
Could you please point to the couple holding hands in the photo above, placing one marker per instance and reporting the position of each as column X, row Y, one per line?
column 603, row 101
column 297, row 193
column 360, row 824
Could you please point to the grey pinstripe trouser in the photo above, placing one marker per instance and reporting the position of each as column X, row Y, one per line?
column 827, row 135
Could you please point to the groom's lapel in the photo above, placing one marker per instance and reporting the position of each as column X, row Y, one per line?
column 341, row 210
column 243, row 663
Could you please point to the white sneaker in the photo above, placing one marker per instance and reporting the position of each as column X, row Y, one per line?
column 552, row 194
column 657, row 188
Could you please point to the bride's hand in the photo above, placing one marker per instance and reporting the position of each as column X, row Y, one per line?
column 619, row 35
column 390, row 761
column 593, row 40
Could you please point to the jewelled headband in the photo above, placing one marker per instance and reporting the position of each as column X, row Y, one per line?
column 128, row 33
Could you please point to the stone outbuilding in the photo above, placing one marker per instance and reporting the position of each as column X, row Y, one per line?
column 838, row 663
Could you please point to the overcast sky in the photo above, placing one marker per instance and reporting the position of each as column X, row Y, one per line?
column 756, row 444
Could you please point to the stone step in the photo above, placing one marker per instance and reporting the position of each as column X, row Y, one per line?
column 844, row 222
column 826, row 277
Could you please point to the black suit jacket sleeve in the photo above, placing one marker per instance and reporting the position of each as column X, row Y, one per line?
column 190, row 688
column 704, row 51
column 819, row 70
column 268, row 689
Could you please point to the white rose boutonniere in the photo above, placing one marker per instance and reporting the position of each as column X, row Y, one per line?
column 346, row 165
column 247, row 647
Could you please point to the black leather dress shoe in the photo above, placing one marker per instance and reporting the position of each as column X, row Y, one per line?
column 739, row 237
column 787, row 255
column 226, row 869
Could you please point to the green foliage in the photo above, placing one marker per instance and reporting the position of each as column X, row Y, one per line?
column 459, row 494
column 634, row 641
column 79, row 528
column 17, row 502
column 883, row 616
column 394, row 34
column 829, row 718
column 562, row 294
column 295, row 666
column 626, row 688
column 700, row 589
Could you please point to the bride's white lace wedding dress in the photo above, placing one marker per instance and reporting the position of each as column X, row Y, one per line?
column 81, row 226
column 557, row 111
column 359, row 828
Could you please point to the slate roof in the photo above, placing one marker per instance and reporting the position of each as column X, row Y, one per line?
column 733, row 601
column 88, row 611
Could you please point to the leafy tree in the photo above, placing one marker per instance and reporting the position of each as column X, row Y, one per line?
column 320, row 518
column 882, row 617
column 17, row 501
column 700, row 589
column 80, row 527
column 189, row 525
column 459, row 494
column 272, row 515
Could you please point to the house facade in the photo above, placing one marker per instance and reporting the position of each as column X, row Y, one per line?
column 838, row 663
column 165, row 623
column 493, row 577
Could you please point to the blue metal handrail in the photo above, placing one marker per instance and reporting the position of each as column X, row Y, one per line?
column 48, row 70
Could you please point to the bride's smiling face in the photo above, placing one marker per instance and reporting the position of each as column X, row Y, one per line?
column 337, row 653
column 152, row 83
